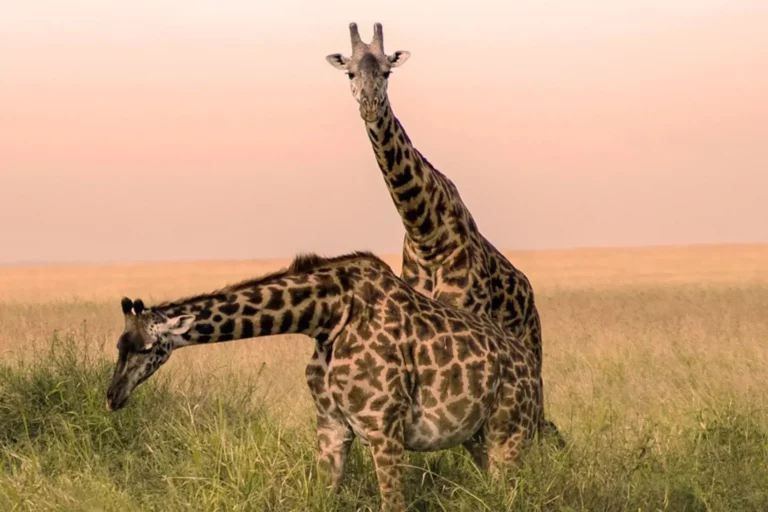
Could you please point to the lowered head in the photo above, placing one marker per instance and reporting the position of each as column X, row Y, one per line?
column 146, row 343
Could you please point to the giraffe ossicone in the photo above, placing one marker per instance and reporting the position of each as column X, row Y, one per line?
column 392, row 367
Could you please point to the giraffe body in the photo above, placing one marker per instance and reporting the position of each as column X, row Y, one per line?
column 392, row 367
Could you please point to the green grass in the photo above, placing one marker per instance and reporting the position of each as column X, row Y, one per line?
column 209, row 444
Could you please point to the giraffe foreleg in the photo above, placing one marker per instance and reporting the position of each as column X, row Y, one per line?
column 389, row 458
column 334, row 439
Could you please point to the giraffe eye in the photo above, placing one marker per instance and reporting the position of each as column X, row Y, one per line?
column 387, row 73
column 351, row 75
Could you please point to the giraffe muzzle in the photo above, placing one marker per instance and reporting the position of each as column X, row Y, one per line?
column 116, row 399
column 115, row 405
column 369, row 109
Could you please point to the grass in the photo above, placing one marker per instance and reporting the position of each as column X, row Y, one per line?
column 657, row 382
column 215, row 447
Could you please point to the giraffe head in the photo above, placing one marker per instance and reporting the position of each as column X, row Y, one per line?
column 368, row 70
column 147, row 341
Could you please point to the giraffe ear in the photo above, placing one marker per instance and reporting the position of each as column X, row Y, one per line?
column 338, row 61
column 127, row 305
column 398, row 58
column 180, row 324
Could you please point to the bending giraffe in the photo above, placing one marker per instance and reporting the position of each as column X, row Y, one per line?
column 392, row 367
column 444, row 254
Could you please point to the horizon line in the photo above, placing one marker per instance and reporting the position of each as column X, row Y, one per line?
column 86, row 263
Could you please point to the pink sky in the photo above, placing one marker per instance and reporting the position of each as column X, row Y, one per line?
column 206, row 130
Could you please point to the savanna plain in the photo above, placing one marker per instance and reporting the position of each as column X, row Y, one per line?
column 655, row 368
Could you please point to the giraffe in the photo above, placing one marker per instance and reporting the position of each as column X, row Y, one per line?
column 444, row 254
column 391, row 367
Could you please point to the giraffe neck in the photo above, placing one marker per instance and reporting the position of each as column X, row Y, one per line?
column 313, row 304
column 422, row 195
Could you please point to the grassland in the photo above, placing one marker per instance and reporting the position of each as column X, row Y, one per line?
column 656, row 370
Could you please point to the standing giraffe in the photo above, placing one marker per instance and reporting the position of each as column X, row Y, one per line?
column 444, row 254
column 395, row 368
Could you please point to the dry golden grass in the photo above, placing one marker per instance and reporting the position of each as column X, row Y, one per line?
column 575, row 268
column 642, row 331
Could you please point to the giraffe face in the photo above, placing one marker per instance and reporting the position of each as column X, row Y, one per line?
column 368, row 70
column 145, row 345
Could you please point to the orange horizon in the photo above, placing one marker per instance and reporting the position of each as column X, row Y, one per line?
column 394, row 257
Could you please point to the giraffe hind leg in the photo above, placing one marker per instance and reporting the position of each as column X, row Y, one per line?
column 547, row 429
column 511, row 425
column 504, row 448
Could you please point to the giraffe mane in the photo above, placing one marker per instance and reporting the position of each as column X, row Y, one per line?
column 307, row 262
column 303, row 263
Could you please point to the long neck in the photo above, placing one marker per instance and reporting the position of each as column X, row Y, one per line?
column 312, row 305
column 426, row 200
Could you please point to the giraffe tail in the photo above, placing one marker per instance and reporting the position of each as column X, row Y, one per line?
column 548, row 430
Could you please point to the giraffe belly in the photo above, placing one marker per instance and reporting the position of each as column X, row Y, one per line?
column 444, row 426
column 433, row 429
column 438, row 406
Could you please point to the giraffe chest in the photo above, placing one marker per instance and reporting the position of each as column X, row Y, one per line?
column 470, row 292
column 462, row 280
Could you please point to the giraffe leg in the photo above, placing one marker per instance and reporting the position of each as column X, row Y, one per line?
column 504, row 449
column 389, row 457
column 511, row 425
column 547, row 428
column 334, row 439
column 475, row 445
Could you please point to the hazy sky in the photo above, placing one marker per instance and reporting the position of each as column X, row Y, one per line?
column 148, row 129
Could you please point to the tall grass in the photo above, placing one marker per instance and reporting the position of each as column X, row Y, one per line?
column 212, row 445
column 655, row 368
